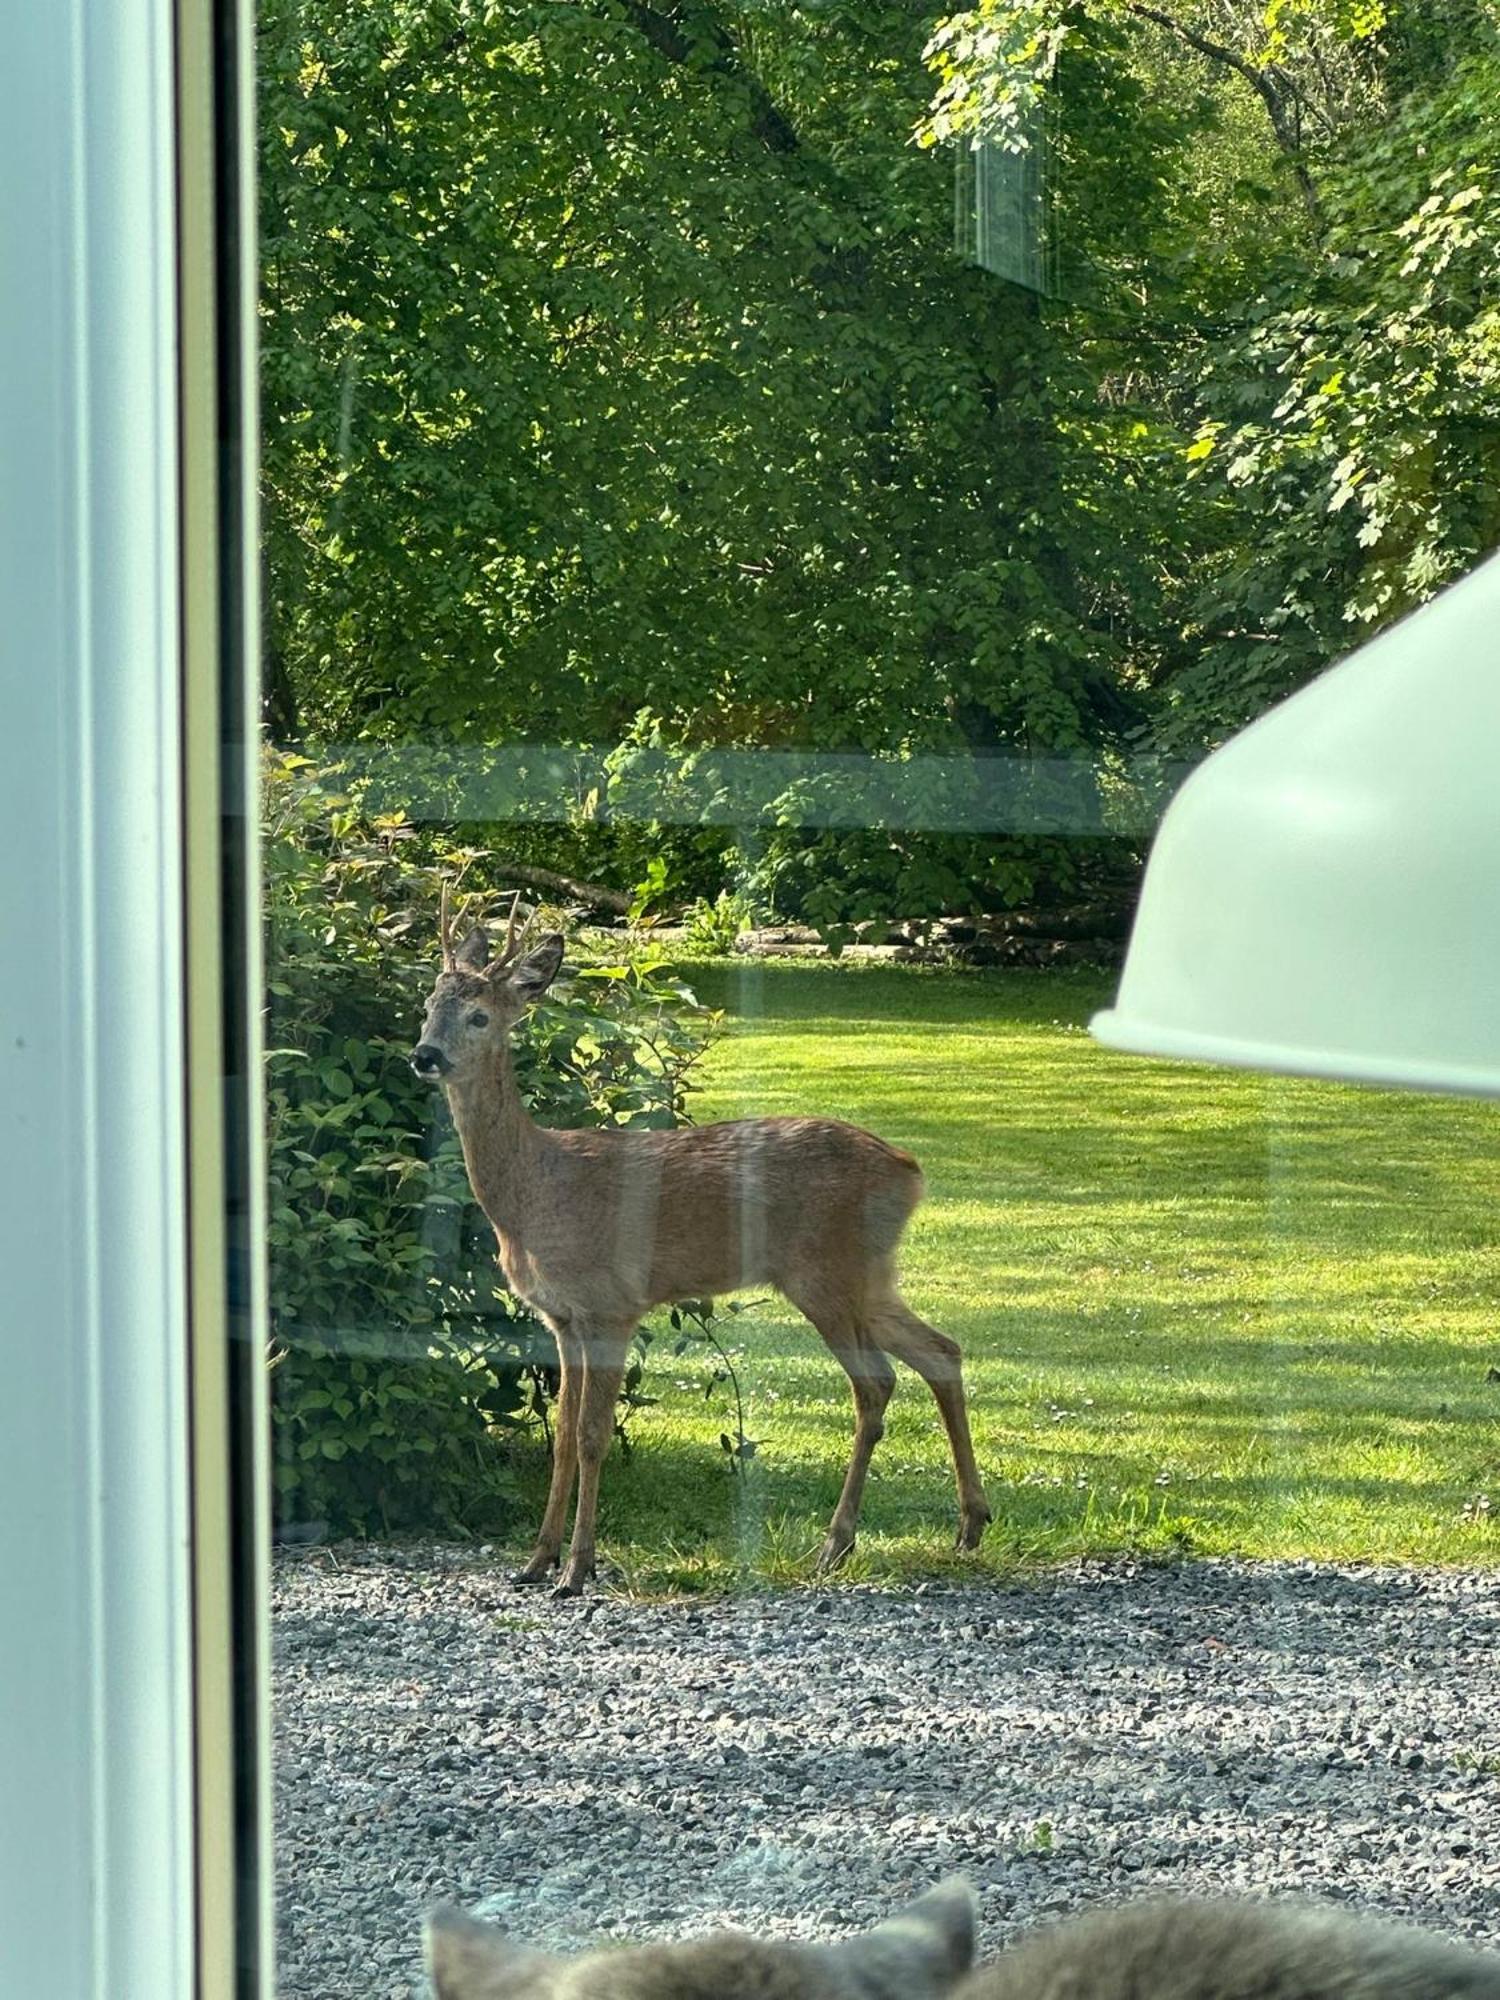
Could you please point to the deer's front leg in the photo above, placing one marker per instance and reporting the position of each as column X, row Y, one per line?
column 543, row 1559
column 605, row 1350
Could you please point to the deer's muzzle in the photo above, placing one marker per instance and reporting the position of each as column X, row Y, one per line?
column 429, row 1061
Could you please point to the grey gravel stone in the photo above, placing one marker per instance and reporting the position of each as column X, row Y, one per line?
column 798, row 1765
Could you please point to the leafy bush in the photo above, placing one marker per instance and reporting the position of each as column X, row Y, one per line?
column 398, row 1364
column 713, row 927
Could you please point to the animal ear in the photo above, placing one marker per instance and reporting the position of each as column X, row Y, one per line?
column 921, row 1952
column 468, row 1960
column 530, row 976
column 474, row 953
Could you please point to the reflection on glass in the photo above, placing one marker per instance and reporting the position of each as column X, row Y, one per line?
column 673, row 541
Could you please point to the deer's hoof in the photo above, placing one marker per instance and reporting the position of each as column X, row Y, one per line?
column 571, row 1582
column 836, row 1550
column 971, row 1529
column 532, row 1575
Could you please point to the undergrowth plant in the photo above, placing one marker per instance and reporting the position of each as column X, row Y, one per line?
column 693, row 1325
column 400, row 1366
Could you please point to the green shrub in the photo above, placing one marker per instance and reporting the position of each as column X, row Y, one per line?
column 399, row 1366
column 714, row 927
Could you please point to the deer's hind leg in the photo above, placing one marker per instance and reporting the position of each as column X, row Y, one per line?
column 544, row 1558
column 871, row 1379
column 937, row 1359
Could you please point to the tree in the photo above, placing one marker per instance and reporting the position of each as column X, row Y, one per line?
column 621, row 384
column 622, row 389
column 1354, row 420
column 1340, row 380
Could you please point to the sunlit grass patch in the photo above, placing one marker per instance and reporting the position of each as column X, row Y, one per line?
column 1202, row 1311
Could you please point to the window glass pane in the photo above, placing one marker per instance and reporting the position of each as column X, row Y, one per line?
column 764, row 507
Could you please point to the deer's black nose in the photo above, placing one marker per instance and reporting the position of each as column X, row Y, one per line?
column 428, row 1060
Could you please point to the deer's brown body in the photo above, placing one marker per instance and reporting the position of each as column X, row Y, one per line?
column 749, row 1202
column 597, row 1227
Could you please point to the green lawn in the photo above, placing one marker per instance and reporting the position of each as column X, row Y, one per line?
column 1202, row 1311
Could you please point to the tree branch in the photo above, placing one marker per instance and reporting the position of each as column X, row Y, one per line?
column 1284, row 123
column 674, row 39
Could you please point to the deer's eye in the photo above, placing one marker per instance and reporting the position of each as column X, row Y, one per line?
column 479, row 1019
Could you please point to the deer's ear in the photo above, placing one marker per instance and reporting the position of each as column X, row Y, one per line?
column 530, row 976
column 923, row 1951
column 468, row 1960
column 474, row 953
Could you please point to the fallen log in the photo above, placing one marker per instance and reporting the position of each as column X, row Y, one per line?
column 594, row 894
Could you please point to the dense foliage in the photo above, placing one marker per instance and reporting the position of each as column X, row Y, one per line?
column 1334, row 389
column 1354, row 420
column 622, row 389
column 398, row 1362
column 616, row 396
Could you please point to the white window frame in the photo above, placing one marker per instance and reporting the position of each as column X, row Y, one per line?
column 132, row 1809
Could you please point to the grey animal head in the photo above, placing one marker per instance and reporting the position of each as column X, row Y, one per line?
column 919, row 1954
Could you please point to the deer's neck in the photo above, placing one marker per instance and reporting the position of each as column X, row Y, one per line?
column 500, row 1142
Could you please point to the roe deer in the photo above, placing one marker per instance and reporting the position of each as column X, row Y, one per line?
column 597, row 1227
column 1179, row 1950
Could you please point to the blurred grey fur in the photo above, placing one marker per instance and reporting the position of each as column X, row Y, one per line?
column 1179, row 1950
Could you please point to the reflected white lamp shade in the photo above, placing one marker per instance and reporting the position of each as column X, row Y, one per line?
column 1323, row 895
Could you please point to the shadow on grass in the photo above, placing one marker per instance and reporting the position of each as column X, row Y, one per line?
column 1288, row 1358
column 760, row 990
column 676, row 1517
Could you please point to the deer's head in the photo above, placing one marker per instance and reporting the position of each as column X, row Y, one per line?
column 478, row 999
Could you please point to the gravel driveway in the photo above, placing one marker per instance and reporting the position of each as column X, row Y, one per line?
column 796, row 1763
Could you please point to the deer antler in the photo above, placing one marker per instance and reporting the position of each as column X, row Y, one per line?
column 445, row 929
column 510, row 951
